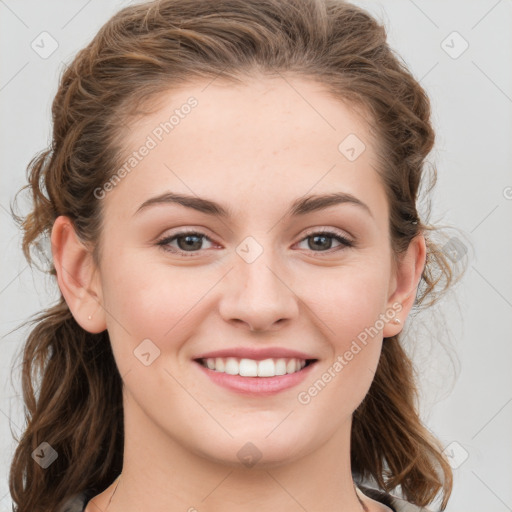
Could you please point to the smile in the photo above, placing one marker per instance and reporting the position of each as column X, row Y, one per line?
column 255, row 368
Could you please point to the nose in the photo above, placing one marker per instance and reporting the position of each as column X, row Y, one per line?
column 258, row 297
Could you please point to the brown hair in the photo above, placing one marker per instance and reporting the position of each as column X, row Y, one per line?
column 147, row 49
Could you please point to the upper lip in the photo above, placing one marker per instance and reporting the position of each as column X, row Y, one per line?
column 257, row 354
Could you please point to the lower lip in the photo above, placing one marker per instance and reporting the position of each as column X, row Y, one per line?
column 257, row 385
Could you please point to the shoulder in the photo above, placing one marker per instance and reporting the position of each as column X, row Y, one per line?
column 393, row 502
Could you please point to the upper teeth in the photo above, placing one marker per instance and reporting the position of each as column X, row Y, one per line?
column 253, row 368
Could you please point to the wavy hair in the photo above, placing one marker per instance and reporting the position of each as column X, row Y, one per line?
column 72, row 389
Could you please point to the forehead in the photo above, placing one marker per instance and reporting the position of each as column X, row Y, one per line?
column 264, row 107
column 280, row 137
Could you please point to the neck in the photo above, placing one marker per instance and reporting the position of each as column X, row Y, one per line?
column 160, row 473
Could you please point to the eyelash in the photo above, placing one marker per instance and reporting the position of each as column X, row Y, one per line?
column 163, row 242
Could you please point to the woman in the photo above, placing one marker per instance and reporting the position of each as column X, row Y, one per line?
column 231, row 199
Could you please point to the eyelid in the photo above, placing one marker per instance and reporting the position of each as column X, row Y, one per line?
column 330, row 231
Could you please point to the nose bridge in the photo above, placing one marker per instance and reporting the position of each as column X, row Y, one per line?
column 261, row 281
column 257, row 293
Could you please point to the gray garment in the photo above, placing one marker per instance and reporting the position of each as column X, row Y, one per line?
column 393, row 502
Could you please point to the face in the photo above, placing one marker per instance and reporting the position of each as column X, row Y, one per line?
column 246, row 267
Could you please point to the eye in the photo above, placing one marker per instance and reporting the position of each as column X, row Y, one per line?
column 322, row 241
column 188, row 242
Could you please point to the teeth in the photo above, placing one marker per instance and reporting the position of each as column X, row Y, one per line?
column 266, row 368
column 232, row 367
column 218, row 364
column 253, row 368
column 247, row 367
column 280, row 366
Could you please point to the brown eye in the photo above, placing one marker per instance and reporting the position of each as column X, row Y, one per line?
column 319, row 242
column 186, row 242
column 323, row 241
column 189, row 242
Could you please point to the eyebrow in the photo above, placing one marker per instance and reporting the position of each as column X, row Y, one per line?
column 301, row 206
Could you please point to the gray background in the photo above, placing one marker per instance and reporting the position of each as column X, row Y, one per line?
column 466, row 382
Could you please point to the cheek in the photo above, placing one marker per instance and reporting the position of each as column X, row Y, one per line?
column 349, row 305
column 145, row 300
column 348, row 301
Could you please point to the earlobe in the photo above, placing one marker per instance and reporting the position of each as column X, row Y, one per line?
column 77, row 276
column 409, row 269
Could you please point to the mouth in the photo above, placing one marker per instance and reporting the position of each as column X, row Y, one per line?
column 255, row 377
column 266, row 368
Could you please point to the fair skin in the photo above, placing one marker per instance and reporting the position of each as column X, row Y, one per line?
column 255, row 149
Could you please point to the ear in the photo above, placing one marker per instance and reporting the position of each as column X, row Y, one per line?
column 404, row 283
column 77, row 276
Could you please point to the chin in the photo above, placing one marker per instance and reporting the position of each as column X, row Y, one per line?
column 257, row 448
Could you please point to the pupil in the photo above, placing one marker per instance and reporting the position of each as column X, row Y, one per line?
column 318, row 239
column 191, row 242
